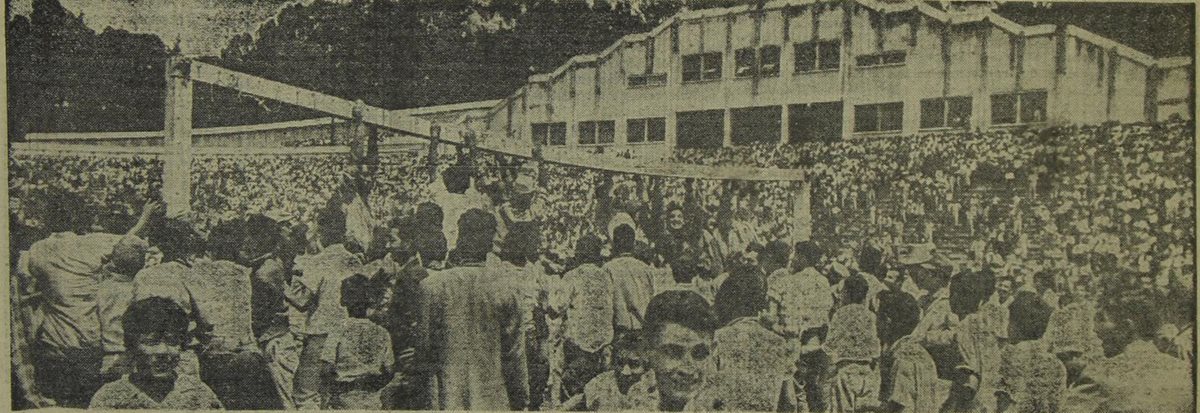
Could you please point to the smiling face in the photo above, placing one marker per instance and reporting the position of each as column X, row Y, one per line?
column 678, row 357
column 157, row 354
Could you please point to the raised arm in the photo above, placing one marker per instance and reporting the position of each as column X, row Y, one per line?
column 148, row 210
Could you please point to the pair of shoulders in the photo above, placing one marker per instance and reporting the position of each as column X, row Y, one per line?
column 189, row 393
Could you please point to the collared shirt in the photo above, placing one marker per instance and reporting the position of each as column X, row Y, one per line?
column 189, row 393
column 913, row 379
column 752, row 363
column 65, row 267
column 801, row 300
column 319, row 290
column 588, row 292
column 222, row 291
column 937, row 324
column 633, row 287
column 358, row 349
column 473, row 346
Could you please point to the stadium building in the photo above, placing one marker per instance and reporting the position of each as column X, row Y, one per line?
column 793, row 72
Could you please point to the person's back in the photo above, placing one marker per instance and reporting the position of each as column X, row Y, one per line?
column 589, row 322
column 473, row 321
column 322, row 275
column 633, row 281
column 753, row 366
column 64, row 267
column 357, row 356
column 222, row 291
column 1142, row 379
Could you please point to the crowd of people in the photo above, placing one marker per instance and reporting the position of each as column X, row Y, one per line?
column 498, row 285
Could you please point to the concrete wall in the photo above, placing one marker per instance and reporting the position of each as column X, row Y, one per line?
column 1087, row 79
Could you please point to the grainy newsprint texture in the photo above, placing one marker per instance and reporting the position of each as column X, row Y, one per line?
column 734, row 205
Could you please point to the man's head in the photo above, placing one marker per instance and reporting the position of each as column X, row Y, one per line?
column 457, row 179
column 359, row 294
column 773, row 256
column 970, row 289
column 128, row 256
column 808, row 254
column 177, row 240
column 155, row 331
column 624, row 240
column 1029, row 316
column 331, row 225
column 588, row 250
column 675, row 218
column 743, row 294
column 522, row 244
column 627, row 361
column 400, row 242
column 678, row 341
column 263, row 236
column 476, row 229
column 898, row 315
column 854, row 290
column 1004, row 288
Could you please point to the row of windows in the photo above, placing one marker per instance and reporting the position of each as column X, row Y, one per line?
column 601, row 132
column 810, row 122
column 812, row 56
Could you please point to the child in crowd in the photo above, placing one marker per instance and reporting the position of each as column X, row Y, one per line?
column 155, row 331
column 358, row 354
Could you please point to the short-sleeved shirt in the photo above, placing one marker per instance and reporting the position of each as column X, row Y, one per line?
column 358, row 349
column 189, row 394
column 914, row 378
column 752, row 364
column 633, row 287
column 222, row 291
column 804, row 299
column 65, row 267
column 323, row 274
column 589, row 296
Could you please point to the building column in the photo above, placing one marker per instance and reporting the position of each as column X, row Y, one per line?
column 785, row 120
column 727, row 141
column 177, row 137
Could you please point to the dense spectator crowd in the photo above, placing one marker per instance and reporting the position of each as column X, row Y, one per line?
column 931, row 282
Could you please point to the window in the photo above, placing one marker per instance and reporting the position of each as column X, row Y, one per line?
column 881, row 117
column 818, row 55
column 700, row 129
column 751, row 63
column 1014, row 108
column 704, row 66
column 815, row 122
column 648, row 80
column 596, row 132
column 756, row 125
column 762, row 62
column 646, row 130
column 895, row 57
column 550, row 133
column 952, row 112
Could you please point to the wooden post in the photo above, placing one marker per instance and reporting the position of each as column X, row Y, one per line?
column 801, row 212
column 431, row 159
column 177, row 137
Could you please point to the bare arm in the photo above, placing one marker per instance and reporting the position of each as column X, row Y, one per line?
column 148, row 210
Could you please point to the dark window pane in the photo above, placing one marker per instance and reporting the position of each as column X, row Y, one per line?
column 745, row 63
column 891, row 116
column 866, row 118
column 558, row 134
column 1033, row 107
column 1004, row 109
column 892, row 58
column 958, row 112
column 831, row 55
column 806, row 57
column 658, row 79
column 700, row 129
column 868, row 60
column 637, row 80
column 712, row 66
column 756, row 125
column 656, row 129
column 768, row 61
column 635, row 130
column 587, row 133
column 605, row 132
column 932, row 113
column 691, row 68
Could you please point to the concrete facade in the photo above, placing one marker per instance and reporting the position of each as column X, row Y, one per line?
column 1035, row 74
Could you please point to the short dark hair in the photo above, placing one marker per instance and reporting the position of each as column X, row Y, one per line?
column 743, row 294
column 624, row 239
column 457, row 179
column 854, row 289
column 154, row 315
column 686, row 308
column 969, row 289
column 808, row 254
column 176, row 239
column 898, row 315
column 359, row 293
column 331, row 225
column 522, row 244
column 476, row 230
column 1029, row 315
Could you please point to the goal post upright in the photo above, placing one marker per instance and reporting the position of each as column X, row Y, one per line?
column 177, row 137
